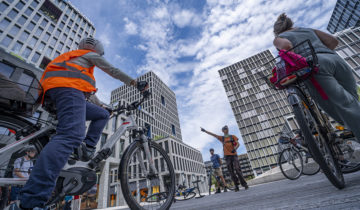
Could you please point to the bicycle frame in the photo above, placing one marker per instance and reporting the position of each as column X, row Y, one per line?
column 128, row 124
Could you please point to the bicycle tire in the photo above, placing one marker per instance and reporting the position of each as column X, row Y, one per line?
column 312, row 169
column 123, row 173
column 187, row 196
column 161, row 195
column 348, row 170
column 291, row 172
column 14, row 123
column 338, row 179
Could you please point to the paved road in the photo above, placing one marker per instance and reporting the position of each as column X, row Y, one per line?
column 308, row 192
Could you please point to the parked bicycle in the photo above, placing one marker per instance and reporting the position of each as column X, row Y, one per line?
column 326, row 147
column 136, row 170
column 296, row 159
column 230, row 186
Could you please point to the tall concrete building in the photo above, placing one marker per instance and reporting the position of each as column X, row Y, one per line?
column 162, row 105
column 159, row 114
column 349, row 47
column 40, row 30
column 346, row 14
column 259, row 110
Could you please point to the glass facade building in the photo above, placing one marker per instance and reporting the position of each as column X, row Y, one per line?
column 259, row 111
column 346, row 14
column 40, row 30
column 349, row 48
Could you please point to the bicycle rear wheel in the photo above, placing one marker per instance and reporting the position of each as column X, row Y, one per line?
column 9, row 125
column 310, row 166
column 291, row 163
column 318, row 146
column 185, row 196
column 144, row 191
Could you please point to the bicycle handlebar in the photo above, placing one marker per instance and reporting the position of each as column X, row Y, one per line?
column 134, row 105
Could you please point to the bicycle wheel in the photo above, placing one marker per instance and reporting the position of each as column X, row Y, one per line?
column 185, row 196
column 318, row 146
column 310, row 166
column 8, row 126
column 291, row 163
column 133, row 180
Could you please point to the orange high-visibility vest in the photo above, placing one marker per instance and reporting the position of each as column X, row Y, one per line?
column 60, row 73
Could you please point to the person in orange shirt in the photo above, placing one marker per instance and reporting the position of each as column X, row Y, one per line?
column 230, row 144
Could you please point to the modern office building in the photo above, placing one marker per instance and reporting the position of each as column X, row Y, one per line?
column 244, row 165
column 259, row 110
column 349, row 48
column 162, row 105
column 40, row 30
column 159, row 114
column 346, row 14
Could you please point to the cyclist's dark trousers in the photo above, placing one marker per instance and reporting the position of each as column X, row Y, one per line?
column 337, row 79
column 72, row 112
column 232, row 162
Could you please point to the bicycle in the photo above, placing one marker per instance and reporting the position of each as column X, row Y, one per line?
column 320, row 136
column 230, row 187
column 296, row 160
column 78, row 177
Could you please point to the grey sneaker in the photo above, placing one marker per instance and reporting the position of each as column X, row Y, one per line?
column 16, row 206
column 86, row 152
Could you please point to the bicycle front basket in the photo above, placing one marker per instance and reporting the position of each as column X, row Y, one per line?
column 20, row 90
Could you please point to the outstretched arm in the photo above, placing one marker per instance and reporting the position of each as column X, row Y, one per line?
column 100, row 62
column 211, row 134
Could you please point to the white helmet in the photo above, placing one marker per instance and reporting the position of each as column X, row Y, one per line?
column 90, row 43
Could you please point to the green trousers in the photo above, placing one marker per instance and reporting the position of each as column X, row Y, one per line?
column 336, row 78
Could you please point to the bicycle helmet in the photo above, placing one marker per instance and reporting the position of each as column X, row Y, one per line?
column 30, row 148
column 90, row 43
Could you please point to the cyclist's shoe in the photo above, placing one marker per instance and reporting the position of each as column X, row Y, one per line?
column 246, row 187
column 84, row 153
column 236, row 188
column 218, row 191
column 225, row 189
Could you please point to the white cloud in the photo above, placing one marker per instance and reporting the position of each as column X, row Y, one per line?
column 130, row 27
column 186, row 17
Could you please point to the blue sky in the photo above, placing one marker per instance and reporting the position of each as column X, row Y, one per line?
column 186, row 42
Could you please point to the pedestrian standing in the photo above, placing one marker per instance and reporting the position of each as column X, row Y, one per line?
column 230, row 144
column 216, row 161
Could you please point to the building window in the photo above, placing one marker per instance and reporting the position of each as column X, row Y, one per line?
column 60, row 46
column 24, row 36
column 49, row 51
column 12, row 14
column 22, row 20
column 6, row 41
column 26, row 52
column 14, row 30
column 166, row 146
column 173, row 129
column 103, row 138
column 53, row 41
column 46, row 37
column 44, row 22
column 163, row 100
column 4, row 24
column 33, row 42
column 30, row 26
column 20, row 5
column 28, row 11
column 34, row 3
column 51, row 11
column 3, row 6
column 17, row 47
column 35, row 57
column 41, row 46
column 44, row 62
column 36, row 17
column 39, row 32
column 57, row 33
